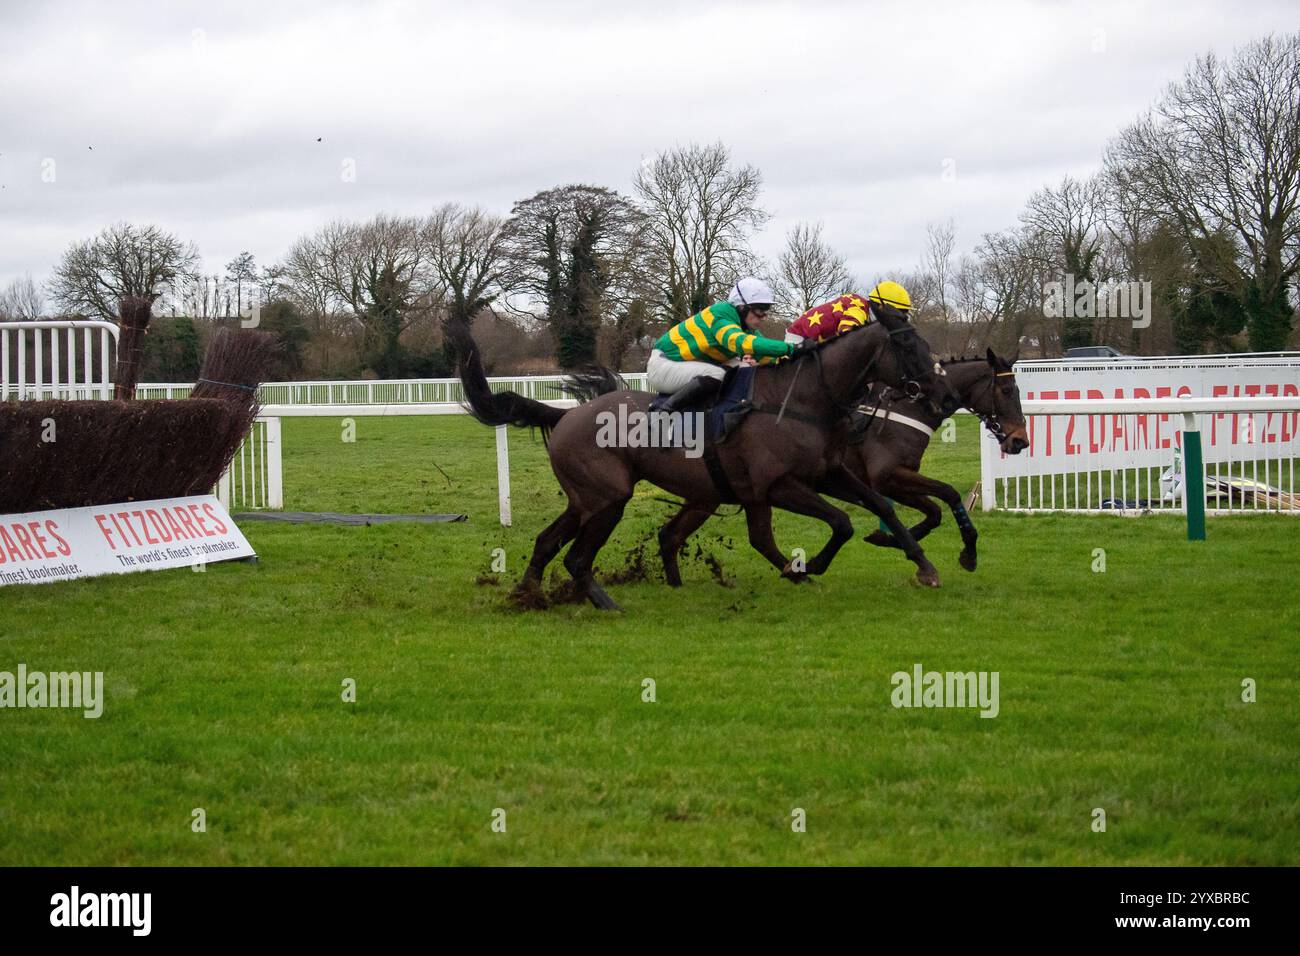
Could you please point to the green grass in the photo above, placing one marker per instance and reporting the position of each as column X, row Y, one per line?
column 1119, row 690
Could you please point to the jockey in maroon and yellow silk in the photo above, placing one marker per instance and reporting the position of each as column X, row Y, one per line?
column 829, row 319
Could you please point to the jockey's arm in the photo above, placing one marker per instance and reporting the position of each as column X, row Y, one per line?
column 740, row 343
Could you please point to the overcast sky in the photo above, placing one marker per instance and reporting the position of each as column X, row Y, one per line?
column 205, row 119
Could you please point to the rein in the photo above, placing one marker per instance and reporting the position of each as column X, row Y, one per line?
column 843, row 409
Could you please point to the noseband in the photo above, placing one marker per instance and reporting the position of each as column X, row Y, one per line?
column 990, row 420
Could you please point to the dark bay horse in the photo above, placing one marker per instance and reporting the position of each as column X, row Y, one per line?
column 897, row 432
column 886, row 453
column 771, row 459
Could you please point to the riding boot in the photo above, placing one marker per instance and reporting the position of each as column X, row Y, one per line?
column 702, row 387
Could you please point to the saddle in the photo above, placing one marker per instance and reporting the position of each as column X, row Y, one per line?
column 733, row 401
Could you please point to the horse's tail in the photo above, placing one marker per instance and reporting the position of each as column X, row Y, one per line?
column 495, row 408
column 592, row 382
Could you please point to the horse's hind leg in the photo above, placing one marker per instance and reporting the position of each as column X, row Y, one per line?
column 758, row 518
column 933, row 517
column 593, row 534
column 548, row 544
column 674, row 534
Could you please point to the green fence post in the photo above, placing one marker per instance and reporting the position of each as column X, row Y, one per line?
column 1193, row 478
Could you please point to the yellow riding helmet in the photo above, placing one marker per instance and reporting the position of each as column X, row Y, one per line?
column 891, row 293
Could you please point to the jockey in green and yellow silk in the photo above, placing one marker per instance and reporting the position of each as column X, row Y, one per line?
column 689, row 360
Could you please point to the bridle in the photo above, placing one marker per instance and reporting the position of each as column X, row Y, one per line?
column 990, row 419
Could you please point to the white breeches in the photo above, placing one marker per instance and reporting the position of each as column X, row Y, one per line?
column 665, row 375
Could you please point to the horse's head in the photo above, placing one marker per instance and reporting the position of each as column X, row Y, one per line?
column 995, row 398
column 906, row 363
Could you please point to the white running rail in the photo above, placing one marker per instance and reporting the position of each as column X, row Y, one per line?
column 423, row 391
column 1125, row 456
column 57, row 359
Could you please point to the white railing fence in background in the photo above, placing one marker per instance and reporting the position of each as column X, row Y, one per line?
column 255, row 478
column 57, row 359
column 1107, row 435
column 272, row 479
column 1130, row 456
column 421, row 391
column 1089, row 451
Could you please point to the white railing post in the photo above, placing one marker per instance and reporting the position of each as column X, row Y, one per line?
column 503, row 475
column 274, row 465
column 988, row 488
column 223, row 489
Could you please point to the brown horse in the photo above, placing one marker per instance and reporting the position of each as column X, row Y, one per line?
column 896, row 433
column 890, row 434
column 780, row 455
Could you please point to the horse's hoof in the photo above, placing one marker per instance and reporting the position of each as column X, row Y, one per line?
column 928, row 578
column 967, row 560
column 793, row 576
column 528, row 596
column 880, row 539
column 600, row 599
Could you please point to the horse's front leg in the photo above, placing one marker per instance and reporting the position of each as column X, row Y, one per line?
column 793, row 495
column 842, row 483
column 915, row 484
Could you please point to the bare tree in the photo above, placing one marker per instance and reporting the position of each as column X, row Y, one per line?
column 469, row 254
column 1068, row 217
column 1066, row 221
column 1220, row 153
column 701, row 212
column 809, row 271
column 241, row 270
column 306, row 276
column 271, row 283
column 21, row 301
column 123, row 261
column 197, row 295
column 376, row 270
column 937, row 263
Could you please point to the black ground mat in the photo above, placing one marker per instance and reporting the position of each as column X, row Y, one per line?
column 331, row 517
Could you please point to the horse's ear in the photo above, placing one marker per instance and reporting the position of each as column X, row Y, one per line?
column 993, row 358
column 1014, row 357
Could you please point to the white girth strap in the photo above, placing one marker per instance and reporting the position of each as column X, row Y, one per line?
column 895, row 417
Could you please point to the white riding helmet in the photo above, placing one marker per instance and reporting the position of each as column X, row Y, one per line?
column 751, row 291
